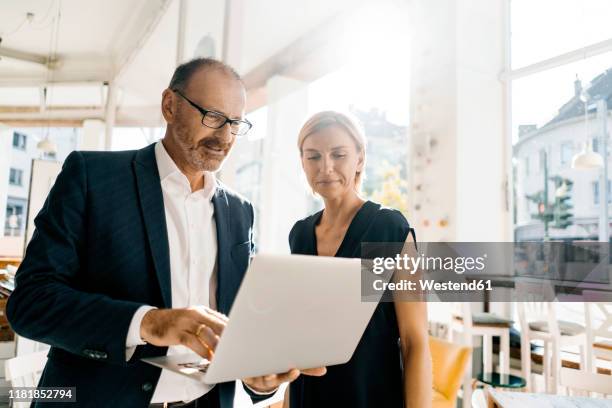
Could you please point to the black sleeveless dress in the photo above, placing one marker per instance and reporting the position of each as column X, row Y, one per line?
column 373, row 376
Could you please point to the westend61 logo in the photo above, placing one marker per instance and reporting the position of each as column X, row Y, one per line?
column 484, row 271
column 411, row 264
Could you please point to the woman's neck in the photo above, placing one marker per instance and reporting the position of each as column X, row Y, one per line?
column 341, row 210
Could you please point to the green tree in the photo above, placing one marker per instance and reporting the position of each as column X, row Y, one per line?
column 393, row 191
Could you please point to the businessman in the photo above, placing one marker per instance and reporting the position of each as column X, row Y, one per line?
column 140, row 254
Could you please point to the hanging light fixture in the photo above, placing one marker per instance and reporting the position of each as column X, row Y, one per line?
column 47, row 146
column 587, row 159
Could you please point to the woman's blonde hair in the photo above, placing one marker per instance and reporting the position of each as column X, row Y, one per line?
column 344, row 121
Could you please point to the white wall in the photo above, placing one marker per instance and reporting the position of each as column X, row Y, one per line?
column 457, row 100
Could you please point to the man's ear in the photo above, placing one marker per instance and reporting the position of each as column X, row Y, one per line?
column 168, row 105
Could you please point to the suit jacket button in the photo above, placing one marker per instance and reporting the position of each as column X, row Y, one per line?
column 147, row 387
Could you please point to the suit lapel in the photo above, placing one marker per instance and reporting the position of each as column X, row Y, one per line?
column 152, row 205
column 222, row 221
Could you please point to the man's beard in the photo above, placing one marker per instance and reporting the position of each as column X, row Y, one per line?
column 195, row 157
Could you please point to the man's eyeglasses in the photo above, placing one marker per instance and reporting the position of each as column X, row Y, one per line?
column 216, row 120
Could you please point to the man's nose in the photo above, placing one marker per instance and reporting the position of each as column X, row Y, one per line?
column 224, row 133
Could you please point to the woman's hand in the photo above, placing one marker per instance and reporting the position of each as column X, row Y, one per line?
column 269, row 383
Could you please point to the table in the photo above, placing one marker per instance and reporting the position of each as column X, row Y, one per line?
column 502, row 381
column 508, row 399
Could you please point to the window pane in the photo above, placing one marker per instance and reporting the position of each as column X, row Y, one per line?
column 542, row 29
column 19, row 140
column 567, row 151
column 15, row 168
column 133, row 138
column 548, row 122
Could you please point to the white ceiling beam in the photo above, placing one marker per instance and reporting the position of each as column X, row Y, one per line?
column 133, row 116
column 311, row 56
column 136, row 34
column 34, row 113
column 67, row 79
column 27, row 57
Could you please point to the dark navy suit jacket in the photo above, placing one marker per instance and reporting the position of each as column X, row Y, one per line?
column 99, row 252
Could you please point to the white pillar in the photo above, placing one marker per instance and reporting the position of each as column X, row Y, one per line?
column 6, row 148
column 180, row 34
column 93, row 135
column 111, row 110
column 284, row 194
column 458, row 102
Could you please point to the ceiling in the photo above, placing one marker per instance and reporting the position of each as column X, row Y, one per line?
column 72, row 60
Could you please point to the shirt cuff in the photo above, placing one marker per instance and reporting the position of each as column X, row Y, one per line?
column 133, row 336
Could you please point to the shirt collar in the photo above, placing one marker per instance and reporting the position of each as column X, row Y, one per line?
column 167, row 168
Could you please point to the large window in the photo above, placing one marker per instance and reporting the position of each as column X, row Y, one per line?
column 552, row 86
column 384, row 114
column 544, row 29
column 21, row 146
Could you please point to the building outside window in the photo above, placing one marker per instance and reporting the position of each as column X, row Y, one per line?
column 547, row 110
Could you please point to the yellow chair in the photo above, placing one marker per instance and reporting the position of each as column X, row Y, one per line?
column 449, row 362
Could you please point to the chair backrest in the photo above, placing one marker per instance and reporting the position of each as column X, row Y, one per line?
column 533, row 299
column 449, row 362
column 27, row 346
column 598, row 319
column 25, row 371
column 463, row 311
column 581, row 380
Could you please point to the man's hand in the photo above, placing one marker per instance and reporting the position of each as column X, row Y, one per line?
column 197, row 327
column 269, row 383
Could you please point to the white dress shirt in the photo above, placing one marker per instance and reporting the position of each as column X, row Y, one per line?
column 192, row 239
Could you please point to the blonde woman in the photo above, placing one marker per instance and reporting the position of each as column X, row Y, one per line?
column 391, row 366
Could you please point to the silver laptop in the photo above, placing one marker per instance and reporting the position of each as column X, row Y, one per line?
column 292, row 311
